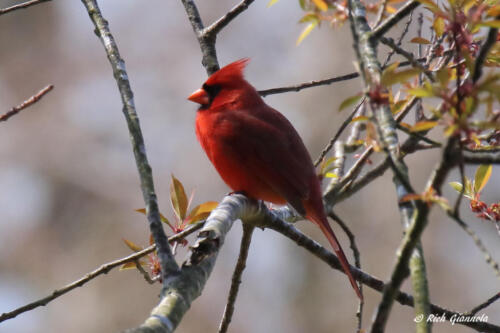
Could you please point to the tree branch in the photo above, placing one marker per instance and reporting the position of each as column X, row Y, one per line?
column 482, row 158
column 23, row 5
column 221, row 23
column 491, row 39
column 310, row 84
column 103, row 269
column 236, row 279
column 487, row 256
column 411, row 238
column 167, row 260
column 394, row 19
column 207, row 43
column 30, row 101
column 408, row 55
column 188, row 284
column 484, row 305
column 182, row 288
column 342, row 127
column 328, row 257
column 357, row 263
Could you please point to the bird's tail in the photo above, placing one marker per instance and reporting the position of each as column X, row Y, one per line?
column 322, row 222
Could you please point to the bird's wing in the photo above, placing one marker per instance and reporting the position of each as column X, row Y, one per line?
column 269, row 147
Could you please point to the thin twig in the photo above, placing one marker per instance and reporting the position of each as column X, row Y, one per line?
column 381, row 12
column 236, row 279
column 487, row 256
column 408, row 55
column 481, row 158
column 411, row 239
column 419, row 113
column 357, row 262
column 394, row 19
column 458, row 109
column 103, row 269
column 342, row 127
column 23, row 5
column 317, row 83
column 328, row 257
column 419, row 136
column 484, row 305
column 30, row 101
column 167, row 260
column 143, row 272
column 491, row 39
column 309, row 84
column 221, row 23
column 400, row 39
column 207, row 42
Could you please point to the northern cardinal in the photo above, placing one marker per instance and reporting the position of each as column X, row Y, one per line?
column 257, row 151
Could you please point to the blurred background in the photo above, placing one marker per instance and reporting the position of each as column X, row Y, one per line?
column 69, row 187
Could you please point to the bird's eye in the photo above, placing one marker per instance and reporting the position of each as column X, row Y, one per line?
column 212, row 90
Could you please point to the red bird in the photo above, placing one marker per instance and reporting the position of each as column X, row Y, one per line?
column 257, row 151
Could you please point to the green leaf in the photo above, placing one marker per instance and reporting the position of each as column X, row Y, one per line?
column 321, row 4
column 420, row 92
column 390, row 69
column 433, row 7
column 438, row 26
column 483, row 174
column 419, row 40
column 201, row 211
column 178, row 198
column 131, row 245
column 331, row 175
column 162, row 218
column 456, row 186
column 307, row 30
column 423, row 126
column 491, row 24
column 128, row 265
column 399, row 77
column 360, row 118
column 325, row 165
column 443, row 76
column 350, row 101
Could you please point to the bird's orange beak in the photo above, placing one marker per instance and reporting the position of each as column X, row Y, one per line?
column 200, row 96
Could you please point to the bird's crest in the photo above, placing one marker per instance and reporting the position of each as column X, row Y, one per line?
column 229, row 73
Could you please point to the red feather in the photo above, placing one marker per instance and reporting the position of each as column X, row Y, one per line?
column 257, row 151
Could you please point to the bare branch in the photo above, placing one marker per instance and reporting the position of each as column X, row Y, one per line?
column 236, row 279
column 482, row 158
column 342, row 127
column 491, row 39
column 309, row 84
column 30, row 101
column 167, row 260
column 357, row 262
column 23, row 5
column 207, row 42
column 411, row 239
column 484, row 305
column 381, row 12
column 328, row 257
column 408, row 55
column 394, row 19
column 188, row 284
column 400, row 39
column 103, row 269
column 221, row 23
column 487, row 256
